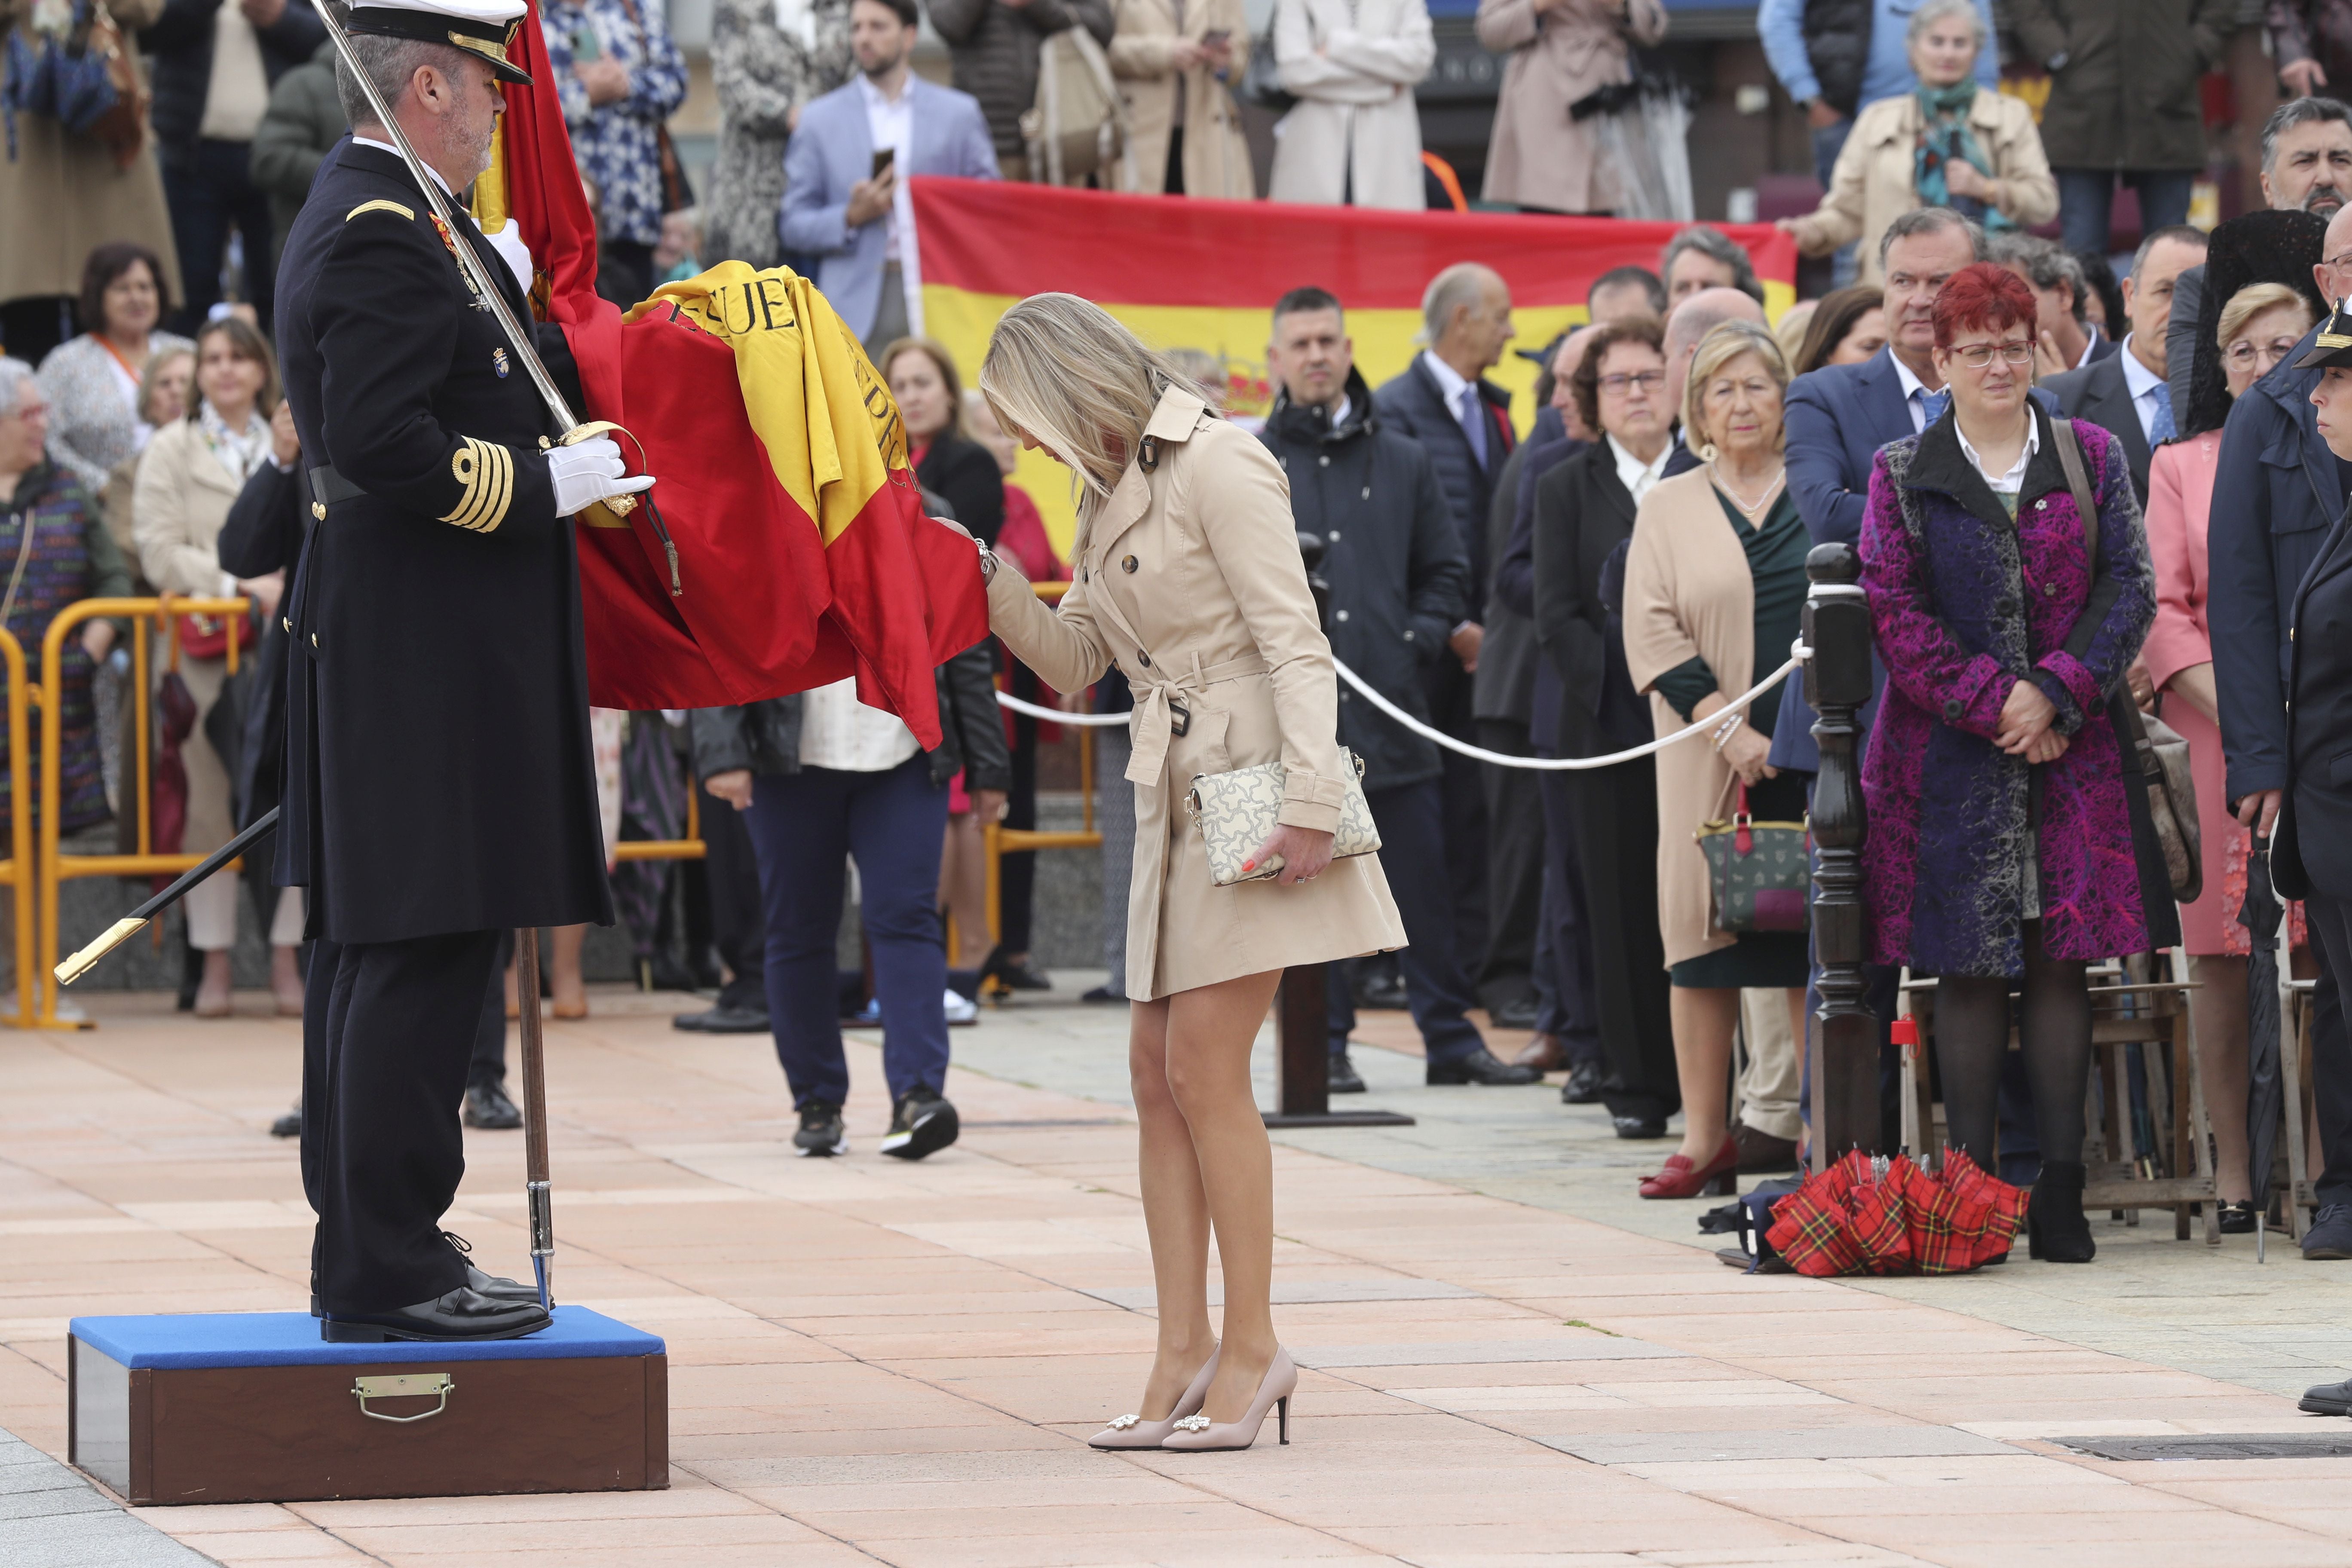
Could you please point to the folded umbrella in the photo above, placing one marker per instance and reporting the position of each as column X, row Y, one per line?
column 2265, row 1091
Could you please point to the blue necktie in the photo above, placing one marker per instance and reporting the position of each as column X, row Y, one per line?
column 2161, row 428
column 1935, row 403
column 1474, row 424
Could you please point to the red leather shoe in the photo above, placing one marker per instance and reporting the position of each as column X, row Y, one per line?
column 1680, row 1179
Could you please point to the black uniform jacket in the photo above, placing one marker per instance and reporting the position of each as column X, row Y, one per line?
column 438, row 772
column 2311, row 851
column 1394, row 560
column 1584, row 515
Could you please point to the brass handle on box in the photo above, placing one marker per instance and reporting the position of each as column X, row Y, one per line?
column 406, row 1385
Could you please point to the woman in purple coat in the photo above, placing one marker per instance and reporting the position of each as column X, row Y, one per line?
column 2001, row 845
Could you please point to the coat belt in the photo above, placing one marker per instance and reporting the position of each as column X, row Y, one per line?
column 328, row 486
column 1156, row 702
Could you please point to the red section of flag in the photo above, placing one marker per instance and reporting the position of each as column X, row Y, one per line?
column 981, row 235
column 550, row 207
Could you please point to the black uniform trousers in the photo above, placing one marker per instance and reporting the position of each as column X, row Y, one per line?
column 2330, row 920
column 1515, row 870
column 1411, row 822
column 488, row 1062
column 388, row 1031
column 1611, row 814
column 1448, row 687
column 738, row 924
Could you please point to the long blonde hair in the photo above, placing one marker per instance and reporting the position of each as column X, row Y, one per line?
column 1082, row 385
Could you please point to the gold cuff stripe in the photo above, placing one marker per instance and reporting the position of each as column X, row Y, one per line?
column 380, row 206
column 486, row 472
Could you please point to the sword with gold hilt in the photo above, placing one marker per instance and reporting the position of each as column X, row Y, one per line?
column 485, row 288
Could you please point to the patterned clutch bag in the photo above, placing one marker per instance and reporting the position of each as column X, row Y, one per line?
column 1236, row 811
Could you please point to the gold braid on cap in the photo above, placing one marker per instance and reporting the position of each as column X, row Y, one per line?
column 489, row 49
column 487, row 470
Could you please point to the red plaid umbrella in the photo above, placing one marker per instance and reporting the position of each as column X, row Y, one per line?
column 1867, row 1214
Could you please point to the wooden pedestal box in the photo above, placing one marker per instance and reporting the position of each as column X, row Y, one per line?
column 255, row 1407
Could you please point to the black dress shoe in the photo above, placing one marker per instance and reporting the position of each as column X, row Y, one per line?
column 1020, row 976
column 1382, row 993
column 1344, row 1080
column 2238, row 1218
column 1583, row 1084
column 1632, row 1127
column 497, row 1287
column 464, row 1313
column 723, row 1021
column 1518, row 1013
column 2056, row 1228
column 290, row 1126
column 1104, row 995
column 1480, row 1066
column 2327, row 1399
column 487, row 1106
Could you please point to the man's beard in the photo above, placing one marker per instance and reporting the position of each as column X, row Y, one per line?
column 883, row 68
column 2323, row 201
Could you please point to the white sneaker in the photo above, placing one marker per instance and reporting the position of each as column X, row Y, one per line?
column 961, row 1010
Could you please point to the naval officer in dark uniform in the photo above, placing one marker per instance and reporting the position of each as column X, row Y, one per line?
column 2311, row 843
column 438, row 782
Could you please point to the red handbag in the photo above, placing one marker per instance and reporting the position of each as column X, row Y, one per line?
column 206, row 637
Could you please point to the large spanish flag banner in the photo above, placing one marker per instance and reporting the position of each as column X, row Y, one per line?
column 1202, row 274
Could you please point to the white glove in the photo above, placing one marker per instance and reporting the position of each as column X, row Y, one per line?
column 590, row 471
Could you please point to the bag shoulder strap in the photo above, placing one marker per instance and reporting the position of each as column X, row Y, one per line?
column 2122, row 710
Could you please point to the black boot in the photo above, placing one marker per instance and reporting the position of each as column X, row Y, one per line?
column 2056, row 1230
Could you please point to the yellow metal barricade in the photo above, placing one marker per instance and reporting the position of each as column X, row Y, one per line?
column 1001, row 840
column 17, row 871
column 55, row 866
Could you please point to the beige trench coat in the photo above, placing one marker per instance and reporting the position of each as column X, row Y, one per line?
column 1873, row 184
column 61, row 195
column 1189, row 579
column 1216, row 157
column 1687, row 594
column 1539, row 156
column 1353, row 64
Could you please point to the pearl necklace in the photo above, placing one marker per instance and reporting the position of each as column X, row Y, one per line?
column 1765, row 500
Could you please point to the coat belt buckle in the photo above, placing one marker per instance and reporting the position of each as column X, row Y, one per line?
column 1179, row 718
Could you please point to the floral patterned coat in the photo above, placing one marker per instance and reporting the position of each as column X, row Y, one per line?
column 1966, row 603
column 767, row 69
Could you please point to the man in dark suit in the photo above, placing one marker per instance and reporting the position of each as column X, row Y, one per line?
column 2066, row 339
column 439, row 785
column 1398, row 571
column 2127, row 392
column 2286, row 488
column 1463, row 421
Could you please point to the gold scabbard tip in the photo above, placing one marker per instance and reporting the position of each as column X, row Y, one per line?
column 81, row 962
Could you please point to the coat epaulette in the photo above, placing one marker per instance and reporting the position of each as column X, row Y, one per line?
column 380, row 207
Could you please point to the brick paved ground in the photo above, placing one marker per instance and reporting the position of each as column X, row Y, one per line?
column 1512, row 1362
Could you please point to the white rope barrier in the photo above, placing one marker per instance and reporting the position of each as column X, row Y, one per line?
column 1797, row 654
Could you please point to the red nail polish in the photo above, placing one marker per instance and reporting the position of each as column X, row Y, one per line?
column 1249, row 865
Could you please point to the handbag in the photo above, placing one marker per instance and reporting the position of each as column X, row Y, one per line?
column 1076, row 126
column 1758, row 873
column 2151, row 749
column 1262, row 75
column 206, row 637
column 1237, row 811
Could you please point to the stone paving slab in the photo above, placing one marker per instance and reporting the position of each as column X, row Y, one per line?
column 1509, row 1365
column 52, row 1517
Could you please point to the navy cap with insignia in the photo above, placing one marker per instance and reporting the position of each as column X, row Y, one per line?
column 486, row 28
column 2333, row 347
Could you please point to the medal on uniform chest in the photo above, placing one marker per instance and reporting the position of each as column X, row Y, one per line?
column 499, row 363
column 476, row 302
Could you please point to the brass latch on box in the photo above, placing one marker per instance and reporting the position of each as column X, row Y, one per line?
column 406, row 1385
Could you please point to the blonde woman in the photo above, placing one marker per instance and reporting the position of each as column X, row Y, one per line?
column 1189, row 581
column 1703, row 620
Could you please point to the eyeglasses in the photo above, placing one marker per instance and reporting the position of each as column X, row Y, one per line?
column 2341, row 259
column 1648, row 381
column 2245, row 353
column 1976, row 356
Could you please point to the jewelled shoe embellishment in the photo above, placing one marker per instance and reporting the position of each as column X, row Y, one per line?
column 1124, row 1422
column 1193, row 1423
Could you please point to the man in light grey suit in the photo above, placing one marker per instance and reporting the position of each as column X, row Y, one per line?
column 843, row 204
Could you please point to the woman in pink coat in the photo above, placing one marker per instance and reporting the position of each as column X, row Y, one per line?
column 2259, row 325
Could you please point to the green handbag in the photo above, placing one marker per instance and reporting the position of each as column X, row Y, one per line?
column 1758, row 873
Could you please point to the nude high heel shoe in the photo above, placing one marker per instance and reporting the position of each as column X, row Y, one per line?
column 1134, row 1432
column 1197, row 1433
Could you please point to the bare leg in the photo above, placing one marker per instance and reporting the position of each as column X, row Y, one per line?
column 1210, row 1032
column 963, row 888
column 1175, row 1212
column 2219, row 1013
column 1703, row 1019
column 213, row 990
column 571, row 993
column 286, row 980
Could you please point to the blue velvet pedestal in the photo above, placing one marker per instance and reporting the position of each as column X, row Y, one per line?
column 255, row 1408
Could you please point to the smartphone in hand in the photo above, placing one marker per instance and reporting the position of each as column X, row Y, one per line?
column 883, row 160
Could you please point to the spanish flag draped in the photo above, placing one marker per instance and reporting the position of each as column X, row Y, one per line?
column 1204, row 274
column 804, row 554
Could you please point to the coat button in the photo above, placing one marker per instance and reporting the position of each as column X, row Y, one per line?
column 289, row 624
column 1144, row 656
column 314, row 639
column 1335, row 533
column 1325, row 460
column 1408, row 634
column 1368, row 492
column 1128, row 564
column 1951, row 709
column 2041, row 505
column 1341, row 615
column 2049, row 590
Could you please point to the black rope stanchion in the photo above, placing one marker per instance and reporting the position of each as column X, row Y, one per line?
column 1302, row 1015
column 1845, row 1034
